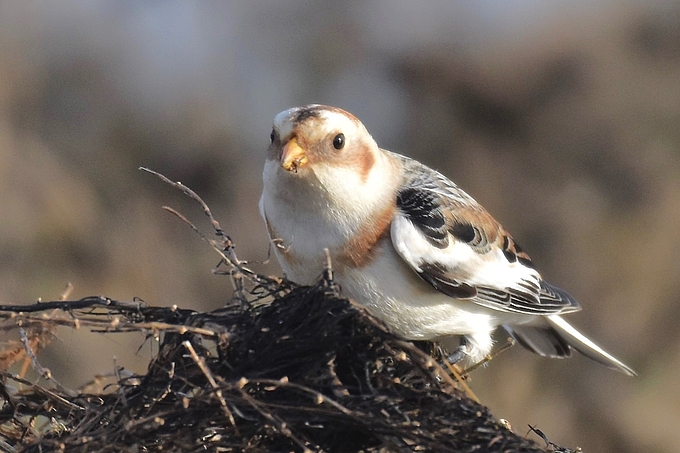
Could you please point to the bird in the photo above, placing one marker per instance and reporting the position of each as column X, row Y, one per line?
column 406, row 242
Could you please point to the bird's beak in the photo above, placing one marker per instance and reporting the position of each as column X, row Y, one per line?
column 293, row 156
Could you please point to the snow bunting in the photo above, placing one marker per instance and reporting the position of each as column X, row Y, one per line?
column 406, row 242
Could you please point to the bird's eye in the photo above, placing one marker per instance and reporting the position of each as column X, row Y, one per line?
column 272, row 136
column 339, row 141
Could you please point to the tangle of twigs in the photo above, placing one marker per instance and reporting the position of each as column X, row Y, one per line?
column 309, row 371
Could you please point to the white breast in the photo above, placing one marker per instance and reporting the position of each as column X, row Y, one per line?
column 300, row 223
column 324, row 209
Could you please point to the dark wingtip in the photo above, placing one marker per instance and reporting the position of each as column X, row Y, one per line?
column 551, row 294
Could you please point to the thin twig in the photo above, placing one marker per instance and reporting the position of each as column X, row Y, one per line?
column 67, row 291
column 427, row 362
column 280, row 424
column 117, row 324
column 59, row 399
column 318, row 396
column 510, row 343
column 328, row 275
column 86, row 302
column 224, row 246
column 460, row 379
column 211, row 380
column 45, row 373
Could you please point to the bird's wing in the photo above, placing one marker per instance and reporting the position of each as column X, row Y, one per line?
column 457, row 247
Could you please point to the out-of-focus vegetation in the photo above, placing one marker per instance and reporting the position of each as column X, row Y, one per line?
column 563, row 119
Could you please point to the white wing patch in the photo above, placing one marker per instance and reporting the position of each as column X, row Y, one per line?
column 492, row 280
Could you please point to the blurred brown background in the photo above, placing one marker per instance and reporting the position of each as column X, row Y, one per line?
column 562, row 118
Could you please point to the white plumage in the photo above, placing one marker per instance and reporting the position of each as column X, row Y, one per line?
column 406, row 242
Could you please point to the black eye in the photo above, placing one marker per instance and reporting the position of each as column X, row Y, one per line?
column 339, row 141
column 272, row 136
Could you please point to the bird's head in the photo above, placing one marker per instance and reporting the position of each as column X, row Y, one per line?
column 317, row 138
column 323, row 157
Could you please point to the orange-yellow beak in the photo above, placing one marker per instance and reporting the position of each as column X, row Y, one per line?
column 293, row 156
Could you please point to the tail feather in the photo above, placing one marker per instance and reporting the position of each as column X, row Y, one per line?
column 542, row 340
column 585, row 346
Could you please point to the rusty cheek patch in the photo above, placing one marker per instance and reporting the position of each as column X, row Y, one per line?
column 366, row 160
column 362, row 248
column 360, row 159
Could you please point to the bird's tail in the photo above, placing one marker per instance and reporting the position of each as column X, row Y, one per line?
column 585, row 346
column 557, row 338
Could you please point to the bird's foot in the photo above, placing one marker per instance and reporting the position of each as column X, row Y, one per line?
column 459, row 354
column 510, row 343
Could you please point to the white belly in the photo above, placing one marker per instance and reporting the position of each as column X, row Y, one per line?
column 411, row 307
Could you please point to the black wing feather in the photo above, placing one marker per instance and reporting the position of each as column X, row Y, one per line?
column 424, row 211
column 429, row 201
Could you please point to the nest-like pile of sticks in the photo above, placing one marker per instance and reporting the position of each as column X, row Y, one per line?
column 305, row 371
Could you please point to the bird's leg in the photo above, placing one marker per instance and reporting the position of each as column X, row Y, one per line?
column 449, row 362
column 460, row 353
